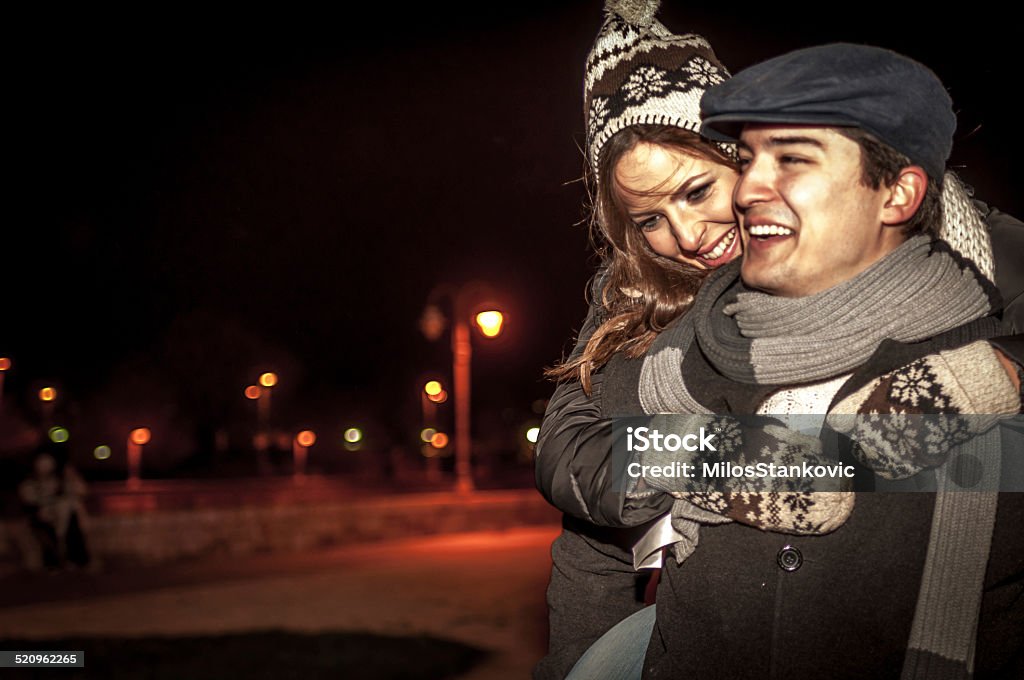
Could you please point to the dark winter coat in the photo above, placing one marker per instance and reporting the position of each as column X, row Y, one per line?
column 771, row 606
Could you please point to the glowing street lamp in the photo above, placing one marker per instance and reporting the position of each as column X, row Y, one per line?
column 489, row 322
column 138, row 438
column 353, row 439
column 141, row 436
column 58, row 434
column 434, row 393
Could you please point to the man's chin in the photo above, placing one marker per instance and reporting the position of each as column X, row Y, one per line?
column 756, row 278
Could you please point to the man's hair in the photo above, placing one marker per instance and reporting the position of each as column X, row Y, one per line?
column 881, row 164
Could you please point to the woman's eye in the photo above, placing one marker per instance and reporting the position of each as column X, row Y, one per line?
column 650, row 224
column 744, row 163
column 699, row 193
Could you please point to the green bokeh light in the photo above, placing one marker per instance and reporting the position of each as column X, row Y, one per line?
column 59, row 435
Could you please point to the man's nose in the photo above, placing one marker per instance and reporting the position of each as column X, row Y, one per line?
column 755, row 184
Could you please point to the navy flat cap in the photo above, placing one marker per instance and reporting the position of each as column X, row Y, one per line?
column 898, row 100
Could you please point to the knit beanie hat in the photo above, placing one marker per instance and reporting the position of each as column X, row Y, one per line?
column 639, row 72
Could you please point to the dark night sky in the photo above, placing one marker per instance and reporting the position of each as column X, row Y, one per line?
column 215, row 195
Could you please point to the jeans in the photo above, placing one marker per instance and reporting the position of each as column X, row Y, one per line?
column 619, row 653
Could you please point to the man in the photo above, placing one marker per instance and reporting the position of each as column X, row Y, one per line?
column 841, row 172
column 843, row 149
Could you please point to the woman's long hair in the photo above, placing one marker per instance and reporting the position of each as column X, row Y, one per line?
column 640, row 292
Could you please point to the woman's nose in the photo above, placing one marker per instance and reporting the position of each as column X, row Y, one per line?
column 688, row 234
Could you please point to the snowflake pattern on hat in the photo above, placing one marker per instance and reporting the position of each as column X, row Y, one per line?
column 645, row 82
column 704, row 73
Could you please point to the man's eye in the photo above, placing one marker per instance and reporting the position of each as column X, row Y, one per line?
column 650, row 224
column 791, row 160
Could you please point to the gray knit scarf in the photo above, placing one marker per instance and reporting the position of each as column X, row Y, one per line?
column 919, row 290
column 914, row 293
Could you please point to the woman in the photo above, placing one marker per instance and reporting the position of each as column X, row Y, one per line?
column 662, row 209
column 663, row 206
column 667, row 208
column 663, row 214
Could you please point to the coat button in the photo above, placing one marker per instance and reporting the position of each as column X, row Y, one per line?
column 789, row 558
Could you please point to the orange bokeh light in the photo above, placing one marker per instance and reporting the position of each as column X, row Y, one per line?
column 140, row 436
column 268, row 379
column 305, row 438
column 47, row 394
column 490, row 322
column 433, row 388
column 439, row 398
column 439, row 440
column 253, row 392
column 5, row 363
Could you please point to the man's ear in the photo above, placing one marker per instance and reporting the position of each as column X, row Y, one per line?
column 905, row 196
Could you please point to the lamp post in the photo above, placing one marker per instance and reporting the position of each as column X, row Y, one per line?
column 469, row 302
column 267, row 382
column 138, row 438
column 48, row 398
column 260, row 393
column 300, row 453
column 432, row 394
column 5, row 365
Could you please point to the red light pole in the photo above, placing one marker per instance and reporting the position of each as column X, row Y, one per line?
column 300, row 453
column 464, row 300
column 5, row 365
column 138, row 438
